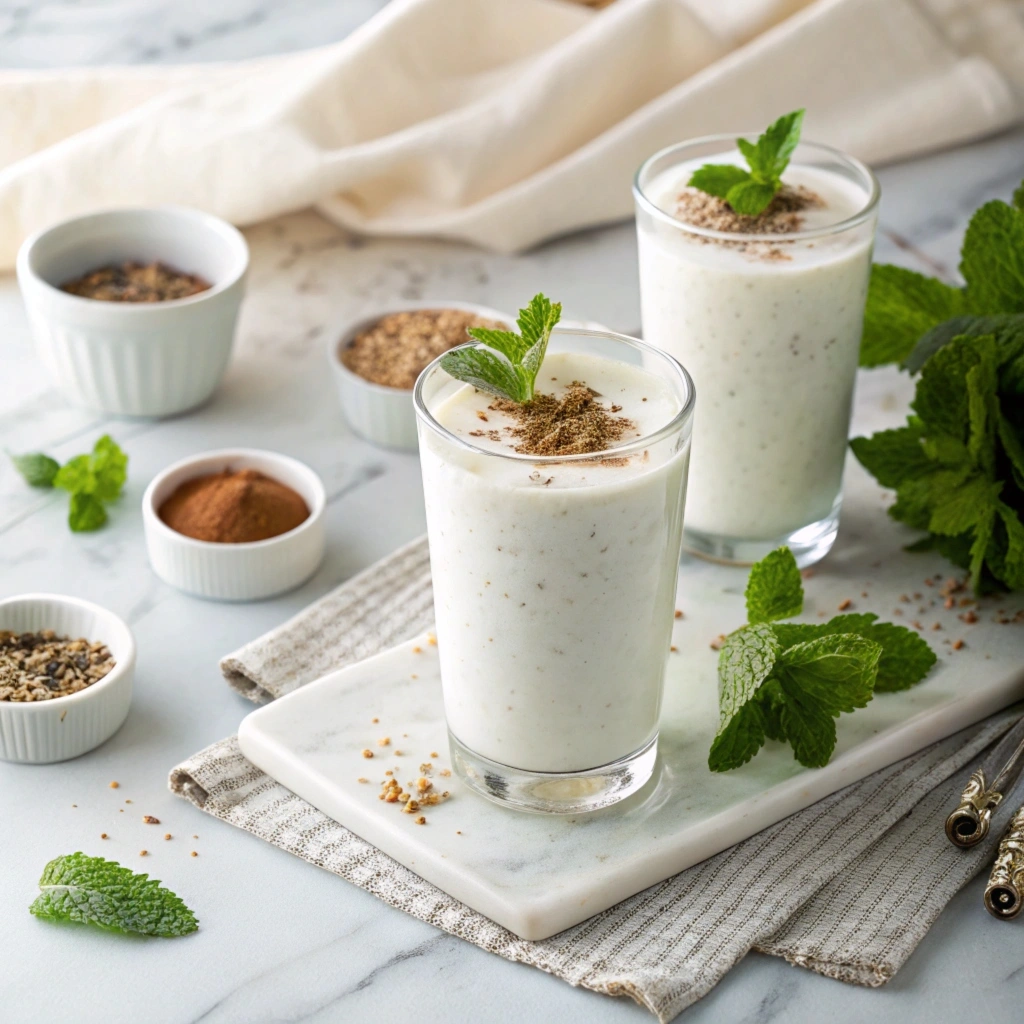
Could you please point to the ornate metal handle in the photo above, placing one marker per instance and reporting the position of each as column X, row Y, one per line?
column 1004, row 894
column 969, row 823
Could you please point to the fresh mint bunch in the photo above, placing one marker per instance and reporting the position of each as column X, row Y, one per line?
column 91, row 890
column 93, row 480
column 958, row 465
column 790, row 681
column 904, row 308
column 750, row 192
column 508, row 366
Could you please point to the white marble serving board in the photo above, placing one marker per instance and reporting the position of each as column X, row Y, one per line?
column 539, row 874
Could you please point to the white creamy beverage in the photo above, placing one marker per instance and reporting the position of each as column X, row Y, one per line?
column 770, row 332
column 554, row 578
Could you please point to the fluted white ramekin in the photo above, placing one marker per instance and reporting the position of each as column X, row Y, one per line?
column 64, row 727
column 135, row 358
column 384, row 415
column 236, row 572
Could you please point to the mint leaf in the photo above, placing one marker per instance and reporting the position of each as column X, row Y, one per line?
column 37, row 469
column 893, row 456
column 774, row 588
column 86, row 512
column 717, row 179
column 1005, row 327
column 750, row 193
column 750, row 198
column 76, row 476
column 906, row 656
column 91, row 890
column 746, row 659
column 110, row 468
column 992, row 259
column 820, row 679
column 776, row 145
column 1018, row 196
column 902, row 305
column 486, row 371
column 510, row 370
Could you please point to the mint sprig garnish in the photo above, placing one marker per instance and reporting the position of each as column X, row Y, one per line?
column 750, row 192
column 91, row 890
column 93, row 480
column 508, row 366
column 789, row 681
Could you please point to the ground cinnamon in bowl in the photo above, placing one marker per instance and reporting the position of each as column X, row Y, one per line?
column 233, row 507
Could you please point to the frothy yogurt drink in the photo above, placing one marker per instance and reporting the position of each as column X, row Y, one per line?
column 769, row 326
column 554, row 577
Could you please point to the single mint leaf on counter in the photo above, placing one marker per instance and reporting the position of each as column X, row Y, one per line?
column 37, row 469
column 774, row 588
column 902, row 305
column 749, row 192
column 91, row 890
column 86, row 512
column 992, row 259
column 509, row 365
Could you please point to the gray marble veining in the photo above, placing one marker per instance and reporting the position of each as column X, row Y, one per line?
column 280, row 940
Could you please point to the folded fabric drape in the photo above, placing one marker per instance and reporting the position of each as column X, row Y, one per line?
column 501, row 123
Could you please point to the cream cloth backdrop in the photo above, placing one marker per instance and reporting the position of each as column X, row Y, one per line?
column 502, row 122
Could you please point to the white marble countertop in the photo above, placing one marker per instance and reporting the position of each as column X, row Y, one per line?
column 281, row 940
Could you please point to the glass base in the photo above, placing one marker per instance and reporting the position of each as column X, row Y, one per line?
column 809, row 544
column 554, row 792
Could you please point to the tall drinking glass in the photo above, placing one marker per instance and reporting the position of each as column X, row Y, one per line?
column 555, row 577
column 769, row 325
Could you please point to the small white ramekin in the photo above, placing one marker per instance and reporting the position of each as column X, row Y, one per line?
column 65, row 727
column 135, row 358
column 381, row 414
column 236, row 572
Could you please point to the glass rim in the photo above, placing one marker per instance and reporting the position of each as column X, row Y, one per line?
column 862, row 215
column 677, row 422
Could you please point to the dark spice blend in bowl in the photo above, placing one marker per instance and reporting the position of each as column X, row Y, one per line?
column 233, row 507
column 136, row 282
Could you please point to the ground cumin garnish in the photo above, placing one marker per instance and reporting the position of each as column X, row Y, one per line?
column 575, row 424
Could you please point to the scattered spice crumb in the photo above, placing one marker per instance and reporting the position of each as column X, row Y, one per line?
column 969, row 617
column 150, row 820
column 457, row 832
column 863, row 593
column 936, row 625
column 674, row 649
column 432, row 640
column 434, row 753
column 958, row 645
column 444, row 773
column 143, row 853
column 195, row 837
column 193, row 854
column 114, row 785
column 374, row 720
column 716, row 644
column 367, row 752
column 844, row 604
column 421, row 820
column 807, row 573
column 679, row 613
column 897, row 611
column 417, row 650
column 384, row 741
column 103, row 835
column 398, row 753
column 361, row 779
column 167, row 835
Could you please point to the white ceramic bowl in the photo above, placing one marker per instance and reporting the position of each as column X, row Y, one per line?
column 381, row 414
column 55, row 730
column 236, row 572
column 135, row 358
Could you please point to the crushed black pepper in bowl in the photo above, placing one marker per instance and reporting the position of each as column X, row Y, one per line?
column 44, row 666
